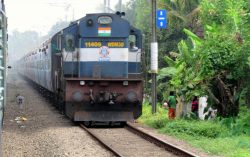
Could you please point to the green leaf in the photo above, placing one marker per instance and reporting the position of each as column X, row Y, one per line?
column 229, row 76
column 195, row 39
column 190, row 85
column 248, row 61
column 166, row 72
column 169, row 61
column 184, row 51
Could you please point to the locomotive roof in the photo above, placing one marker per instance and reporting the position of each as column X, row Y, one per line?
column 119, row 26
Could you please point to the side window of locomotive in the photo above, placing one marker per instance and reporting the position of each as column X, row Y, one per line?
column 58, row 43
column 70, row 44
column 132, row 43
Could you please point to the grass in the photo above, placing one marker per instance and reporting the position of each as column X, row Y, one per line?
column 226, row 137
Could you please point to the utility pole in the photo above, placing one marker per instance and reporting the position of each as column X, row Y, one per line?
column 154, row 56
column 66, row 7
column 104, row 6
column 120, row 5
column 108, row 6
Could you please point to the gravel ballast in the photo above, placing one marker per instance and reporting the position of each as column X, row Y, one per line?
column 39, row 130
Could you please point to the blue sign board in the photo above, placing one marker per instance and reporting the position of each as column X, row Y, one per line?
column 161, row 19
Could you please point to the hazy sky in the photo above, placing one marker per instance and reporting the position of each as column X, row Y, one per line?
column 40, row 15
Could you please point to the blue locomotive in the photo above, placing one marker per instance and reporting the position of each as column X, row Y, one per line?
column 92, row 68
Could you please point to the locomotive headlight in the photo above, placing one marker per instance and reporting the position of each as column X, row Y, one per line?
column 77, row 96
column 90, row 22
column 131, row 97
column 82, row 83
column 125, row 83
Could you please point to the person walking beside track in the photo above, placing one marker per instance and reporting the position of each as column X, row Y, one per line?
column 171, row 104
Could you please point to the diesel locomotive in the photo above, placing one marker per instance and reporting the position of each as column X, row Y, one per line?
column 92, row 68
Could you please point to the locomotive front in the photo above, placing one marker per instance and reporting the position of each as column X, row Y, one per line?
column 102, row 69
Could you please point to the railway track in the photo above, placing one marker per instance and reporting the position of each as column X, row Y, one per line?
column 131, row 141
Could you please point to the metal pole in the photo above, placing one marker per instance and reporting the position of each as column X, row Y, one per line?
column 154, row 57
column 108, row 6
column 104, row 6
column 153, row 21
column 120, row 5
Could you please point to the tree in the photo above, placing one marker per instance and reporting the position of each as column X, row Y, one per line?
column 181, row 14
column 218, row 64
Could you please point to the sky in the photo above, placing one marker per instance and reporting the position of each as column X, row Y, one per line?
column 41, row 15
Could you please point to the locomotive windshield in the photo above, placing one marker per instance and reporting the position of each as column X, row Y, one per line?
column 104, row 20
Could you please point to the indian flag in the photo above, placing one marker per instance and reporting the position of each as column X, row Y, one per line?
column 104, row 31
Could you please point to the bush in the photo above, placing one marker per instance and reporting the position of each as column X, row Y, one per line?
column 194, row 128
column 191, row 127
column 157, row 120
column 239, row 125
column 227, row 136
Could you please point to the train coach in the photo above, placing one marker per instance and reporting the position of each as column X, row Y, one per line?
column 92, row 68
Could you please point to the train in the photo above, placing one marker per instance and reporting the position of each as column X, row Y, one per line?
column 93, row 68
column 3, row 56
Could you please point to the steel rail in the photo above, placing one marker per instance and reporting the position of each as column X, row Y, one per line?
column 159, row 142
column 107, row 146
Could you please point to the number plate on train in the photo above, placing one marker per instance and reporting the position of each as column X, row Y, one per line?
column 100, row 44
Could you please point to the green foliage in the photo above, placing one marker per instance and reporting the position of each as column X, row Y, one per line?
column 189, row 127
column 234, row 146
column 185, row 72
column 229, row 14
column 156, row 121
column 225, row 136
column 218, row 64
column 168, row 71
column 238, row 126
column 181, row 15
column 194, row 128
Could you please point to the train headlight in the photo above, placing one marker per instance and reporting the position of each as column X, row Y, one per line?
column 132, row 97
column 90, row 22
column 125, row 83
column 77, row 96
column 82, row 83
